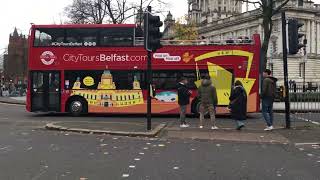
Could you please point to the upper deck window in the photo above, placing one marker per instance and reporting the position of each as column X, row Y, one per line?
column 47, row 37
column 84, row 37
column 117, row 37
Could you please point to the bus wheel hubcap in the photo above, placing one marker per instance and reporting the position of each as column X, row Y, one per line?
column 76, row 106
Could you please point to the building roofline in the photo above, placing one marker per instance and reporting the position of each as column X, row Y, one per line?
column 247, row 16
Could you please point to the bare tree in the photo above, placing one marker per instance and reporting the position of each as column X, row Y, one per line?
column 268, row 8
column 143, row 4
column 98, row 11
column 106, row 11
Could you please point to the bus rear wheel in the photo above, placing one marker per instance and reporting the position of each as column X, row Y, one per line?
column 77, row 107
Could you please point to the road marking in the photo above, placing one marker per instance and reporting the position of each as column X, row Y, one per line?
column 6, row 147
column 125, row 175
column 39, row 175
column 306, row 120
column 303, row 144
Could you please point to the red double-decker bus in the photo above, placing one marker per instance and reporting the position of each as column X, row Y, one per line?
column 102, row 69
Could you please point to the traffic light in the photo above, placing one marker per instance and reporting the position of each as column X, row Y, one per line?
column 294, row 36
column 152, row 34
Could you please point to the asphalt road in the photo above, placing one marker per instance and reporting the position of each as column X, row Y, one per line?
column 28, row 152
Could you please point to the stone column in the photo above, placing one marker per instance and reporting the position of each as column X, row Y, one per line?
column 308, row 36
column 318, row 38
column 260, row 31
column 222, row 5
column 313, row 37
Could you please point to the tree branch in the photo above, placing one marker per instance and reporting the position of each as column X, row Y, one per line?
column 250, row 2
column 277, row 10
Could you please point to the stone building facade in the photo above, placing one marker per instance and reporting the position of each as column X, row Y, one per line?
column 207, row 11
column 16, row 59
column 248, row 23
column 216, row 23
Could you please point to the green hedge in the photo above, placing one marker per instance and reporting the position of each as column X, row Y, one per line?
column 305, row 97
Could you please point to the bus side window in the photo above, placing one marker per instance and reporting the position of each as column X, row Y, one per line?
column 165, row 80
column 117, row 37
column 82, row 36
column 48, row 37
column 42, row 39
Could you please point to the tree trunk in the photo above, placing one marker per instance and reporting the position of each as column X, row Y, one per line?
column 267, row 28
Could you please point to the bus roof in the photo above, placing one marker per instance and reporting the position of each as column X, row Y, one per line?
column 84, row 26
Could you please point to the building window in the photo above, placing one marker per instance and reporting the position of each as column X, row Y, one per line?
column 301, row 69
column 271, row 66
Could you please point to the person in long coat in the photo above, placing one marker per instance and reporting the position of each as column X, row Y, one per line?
column 238, row 104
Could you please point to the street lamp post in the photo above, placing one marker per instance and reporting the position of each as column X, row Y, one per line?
column 1, row 82
column 304, row 64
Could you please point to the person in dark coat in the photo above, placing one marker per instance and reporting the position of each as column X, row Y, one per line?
column 183, row 100
column 238, row 104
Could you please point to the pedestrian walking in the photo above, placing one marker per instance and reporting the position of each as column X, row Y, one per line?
column 208, row 101
column 268, row 94
column 238, row 104
column 183, row 100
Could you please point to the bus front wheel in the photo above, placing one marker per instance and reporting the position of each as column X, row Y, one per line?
column 77, row 107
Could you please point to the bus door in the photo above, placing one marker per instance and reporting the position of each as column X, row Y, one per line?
column 45, row 91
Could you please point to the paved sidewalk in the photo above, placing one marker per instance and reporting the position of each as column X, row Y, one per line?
column 253, row 131
column 113, row 128
column 9, row 100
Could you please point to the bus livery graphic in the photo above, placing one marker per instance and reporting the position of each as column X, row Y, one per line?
column 102, row 68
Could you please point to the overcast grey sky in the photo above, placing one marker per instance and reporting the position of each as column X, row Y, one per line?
column 20, row 13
